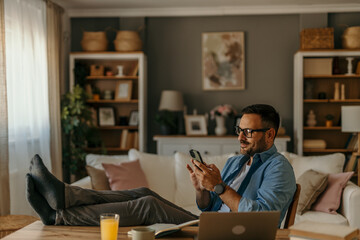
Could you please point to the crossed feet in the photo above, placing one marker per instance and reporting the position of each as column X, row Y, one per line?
column 44, row 191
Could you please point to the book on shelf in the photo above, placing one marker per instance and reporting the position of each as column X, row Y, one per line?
column 316, row 230
column 352, row 142
column 352, row 163
column 136, row 140
column 130, row 140
column 123, row 138
column 163, row 229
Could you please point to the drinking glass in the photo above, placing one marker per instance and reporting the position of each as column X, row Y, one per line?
column 109, row 224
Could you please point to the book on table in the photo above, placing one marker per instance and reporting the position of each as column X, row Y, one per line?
column 163, row 229
column 316, row 230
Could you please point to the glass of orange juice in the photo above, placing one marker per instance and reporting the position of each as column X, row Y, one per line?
column 109, row 224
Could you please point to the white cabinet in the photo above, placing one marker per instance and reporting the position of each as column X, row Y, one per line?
column 206, row 145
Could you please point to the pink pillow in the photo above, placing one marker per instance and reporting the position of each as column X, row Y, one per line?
column 329, row 200
column 126, row 175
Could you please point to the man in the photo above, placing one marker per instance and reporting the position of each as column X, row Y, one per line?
column 260, row 179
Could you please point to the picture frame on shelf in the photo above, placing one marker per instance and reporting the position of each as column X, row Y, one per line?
column 106, row 116
column 134, row 118
column 123, row 90
column 223, row 61
column 195, row 125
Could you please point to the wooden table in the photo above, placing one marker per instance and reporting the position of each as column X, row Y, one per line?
column 38, row 231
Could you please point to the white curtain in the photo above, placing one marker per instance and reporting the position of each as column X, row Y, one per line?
column 27, row 92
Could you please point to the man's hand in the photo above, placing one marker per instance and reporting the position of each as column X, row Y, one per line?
column 207, row 175
column 194, row 179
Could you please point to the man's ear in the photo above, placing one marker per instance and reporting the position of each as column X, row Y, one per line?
column 271, row 134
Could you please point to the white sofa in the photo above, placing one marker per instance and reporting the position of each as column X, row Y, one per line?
column 167, row 175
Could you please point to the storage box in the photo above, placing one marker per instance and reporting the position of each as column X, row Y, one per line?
column 317, row 38
column 96, row 70
column 318, row 66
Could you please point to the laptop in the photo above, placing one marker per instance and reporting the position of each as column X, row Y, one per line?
column 238, row 225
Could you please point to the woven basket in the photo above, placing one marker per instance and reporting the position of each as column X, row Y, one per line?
column 317, row 38
column 127, row 41
column 94, row 41
column 351, row 38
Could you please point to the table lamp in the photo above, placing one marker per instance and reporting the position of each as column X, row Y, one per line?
column 350, row 121
column 171, row 103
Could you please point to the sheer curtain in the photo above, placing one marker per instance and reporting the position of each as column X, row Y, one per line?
column 27, row 93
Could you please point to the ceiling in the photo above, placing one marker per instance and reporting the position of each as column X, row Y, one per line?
column 203, row 7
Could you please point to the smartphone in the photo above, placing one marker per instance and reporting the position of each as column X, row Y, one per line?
column 196, row 155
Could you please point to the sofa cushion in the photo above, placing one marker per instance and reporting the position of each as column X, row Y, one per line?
column 126, row 175
column 159, row 172
column 331, row 163
column 95, row 160
column 185, row 192
column 329, row 200
column 99, row 180
column 312, row 183
column 322, row 217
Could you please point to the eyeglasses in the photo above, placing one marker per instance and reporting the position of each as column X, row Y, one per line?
column 248, row 131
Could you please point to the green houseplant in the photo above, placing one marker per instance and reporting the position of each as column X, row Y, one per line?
column 76, row 125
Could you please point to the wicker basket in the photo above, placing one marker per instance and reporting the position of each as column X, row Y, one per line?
column 94, row 41
column 351, row 38
column 317, row 38
column 127, row 41
column 96, row 70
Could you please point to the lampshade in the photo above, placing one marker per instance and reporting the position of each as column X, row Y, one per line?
column 171, row 100
column 350, row 118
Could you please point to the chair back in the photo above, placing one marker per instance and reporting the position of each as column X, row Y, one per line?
column 291, row 213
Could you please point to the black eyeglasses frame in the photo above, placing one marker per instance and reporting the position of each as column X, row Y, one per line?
column 250, row 131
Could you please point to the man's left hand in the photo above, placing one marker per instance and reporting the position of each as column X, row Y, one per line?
column 208, row 176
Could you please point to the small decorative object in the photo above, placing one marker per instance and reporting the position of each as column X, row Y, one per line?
column 134, row 118
column 96, row 94
column 351, row 38
column 88, row 90
column 120, row 69
column 329, row 120
column 96, row 70
column 127, row 41
column 123, row 90
column 337, row 91
column 358, row 68
column 106, row 116
column 94, row 41
column 195, row 125
column 308, row 90
column 342, row 92
column 108, row 94
column 317, row 38
column 322, row 95
column 109, row 73
column 311, row 119
column 349, row 66
column 336, row 67
column 223, row 61
column 219, row 113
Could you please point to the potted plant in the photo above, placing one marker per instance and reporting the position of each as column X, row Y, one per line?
column 329, row 120
column 167, row 121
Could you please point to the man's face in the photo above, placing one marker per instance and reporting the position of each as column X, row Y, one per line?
column 259, row 140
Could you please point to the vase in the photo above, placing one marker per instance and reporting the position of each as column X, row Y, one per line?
column 220, row 128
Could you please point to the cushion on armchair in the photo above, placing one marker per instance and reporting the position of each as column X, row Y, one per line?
column 99, row 180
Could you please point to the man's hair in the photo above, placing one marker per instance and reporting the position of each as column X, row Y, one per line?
column 269, row 116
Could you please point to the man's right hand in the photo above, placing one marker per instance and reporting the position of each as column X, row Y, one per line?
column 194, row 179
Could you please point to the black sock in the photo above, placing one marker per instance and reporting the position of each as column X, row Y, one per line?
column 39, row 204
column 52, row 189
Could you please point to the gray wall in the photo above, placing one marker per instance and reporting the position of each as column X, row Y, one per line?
column 173, row 49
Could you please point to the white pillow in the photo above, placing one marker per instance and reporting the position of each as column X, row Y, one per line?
column 95, row 160
column 159, row 171
column 331, row 163
column 185, row 192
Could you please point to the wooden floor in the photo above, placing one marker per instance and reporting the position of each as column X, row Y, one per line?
column 37, row 231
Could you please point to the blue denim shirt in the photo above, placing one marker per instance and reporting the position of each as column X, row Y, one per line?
column 269, row 185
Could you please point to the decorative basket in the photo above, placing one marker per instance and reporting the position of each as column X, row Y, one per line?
column 127, row 41
column 351, row 38
column 96, row 70
column 94, row 41
column 317, row 38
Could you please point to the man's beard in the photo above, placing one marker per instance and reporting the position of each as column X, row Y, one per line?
column 261, row 146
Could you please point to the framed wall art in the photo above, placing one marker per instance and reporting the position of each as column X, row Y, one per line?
column 106, row 116
column 223, row 61
column 123, row 90
column 134, row 118
column 195, row 125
